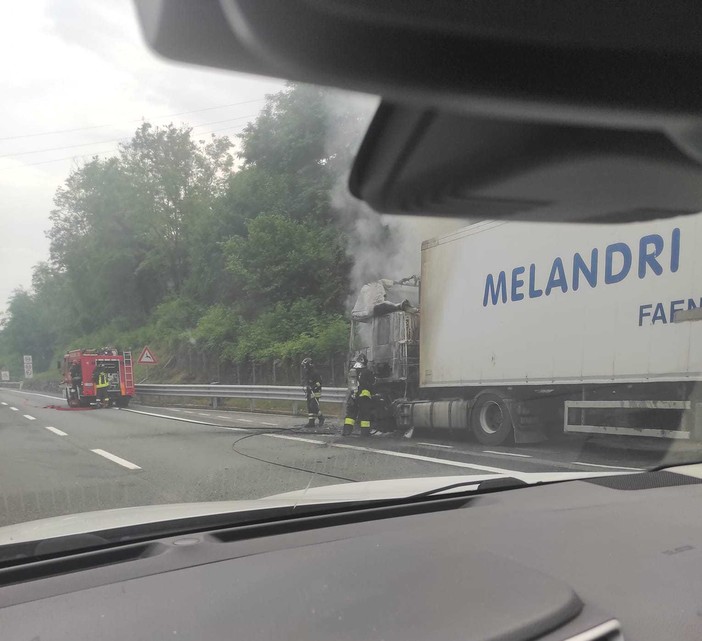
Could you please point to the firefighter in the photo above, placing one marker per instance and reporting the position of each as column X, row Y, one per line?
column 359, row 405
column 101, row 384
column 312, row 382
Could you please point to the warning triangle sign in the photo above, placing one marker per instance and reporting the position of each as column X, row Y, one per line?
column 147, row 357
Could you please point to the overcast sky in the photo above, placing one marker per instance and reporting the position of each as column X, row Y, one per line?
column 82, row 65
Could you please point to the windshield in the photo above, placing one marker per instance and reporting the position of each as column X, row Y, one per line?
column 194, row 309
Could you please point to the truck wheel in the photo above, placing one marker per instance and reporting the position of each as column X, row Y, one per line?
column 490, row 419
column 122, row 402
column 71, row 399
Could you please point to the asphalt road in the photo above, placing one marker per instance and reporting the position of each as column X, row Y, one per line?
column 54, row 461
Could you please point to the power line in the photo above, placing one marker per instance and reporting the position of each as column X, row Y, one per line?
column 97, row 153
column 103, row 142
column 217, row 122
column 181, row 113
column 46, row 162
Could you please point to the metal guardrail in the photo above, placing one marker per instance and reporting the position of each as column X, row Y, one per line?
column 250, row 392
column 13, row 384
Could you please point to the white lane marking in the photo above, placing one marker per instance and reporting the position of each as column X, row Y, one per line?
column 175, row 409
column 28, row 417
column 14, row 409
column 447, row 447
column 184, row 420
column 244, row 420
column 415, row 457
column 16, row 391
column 298, row 438
column 202, row 414
column 4, row 403
column 56, row 430
column 507, row 453
column 429, row 459
column 609, row 467
column 117, row 459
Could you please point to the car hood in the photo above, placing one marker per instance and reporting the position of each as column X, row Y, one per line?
column 89, row 522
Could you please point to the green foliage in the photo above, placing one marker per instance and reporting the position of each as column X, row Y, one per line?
column 27, row 330
column 291, row 332
column 289, row 135
column 218, row 331
column 169, row 243
column 284, row 260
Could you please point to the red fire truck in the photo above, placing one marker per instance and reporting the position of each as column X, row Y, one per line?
column 80, row 376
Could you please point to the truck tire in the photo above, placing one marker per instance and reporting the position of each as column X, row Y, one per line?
column 490, row 419
column 123, row 401
column 71, row 399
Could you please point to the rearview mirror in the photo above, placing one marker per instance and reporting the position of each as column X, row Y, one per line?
column 549, row 110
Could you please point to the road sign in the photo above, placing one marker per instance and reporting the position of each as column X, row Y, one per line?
column 5, row 375
column 147, row 357
column 28, row 368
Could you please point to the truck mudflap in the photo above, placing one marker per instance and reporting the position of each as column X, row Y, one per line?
column 528, row 428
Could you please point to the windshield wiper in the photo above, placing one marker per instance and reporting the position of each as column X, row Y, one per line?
column 479, row 487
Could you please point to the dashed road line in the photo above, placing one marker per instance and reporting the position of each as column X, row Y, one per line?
column 116, row 459
column 14, row 409
column 28, row 417
column 56, row 430
column 447, row 447
column 202, row 414
column 243, row 420
column 269, row 424
column 3, row 403
column 609, row 467
column 507, row 453
column 38, row 394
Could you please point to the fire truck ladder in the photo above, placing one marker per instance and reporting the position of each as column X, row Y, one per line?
column 128, row 371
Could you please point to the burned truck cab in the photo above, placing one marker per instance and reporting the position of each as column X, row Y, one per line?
column 385, row 327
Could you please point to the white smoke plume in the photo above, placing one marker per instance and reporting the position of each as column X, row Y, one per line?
column 381, row 246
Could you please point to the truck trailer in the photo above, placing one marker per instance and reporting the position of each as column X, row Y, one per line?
column 518, row 331
column 79, row 369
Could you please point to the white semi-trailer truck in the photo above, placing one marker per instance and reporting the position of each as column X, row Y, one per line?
column 519, row 330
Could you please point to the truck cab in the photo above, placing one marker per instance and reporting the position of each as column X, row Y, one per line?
column 385, row 328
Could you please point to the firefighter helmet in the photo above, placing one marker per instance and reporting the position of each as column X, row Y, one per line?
column 362, row 359
column 307, row 363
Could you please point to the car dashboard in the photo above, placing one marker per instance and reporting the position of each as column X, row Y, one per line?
column 593, row 560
